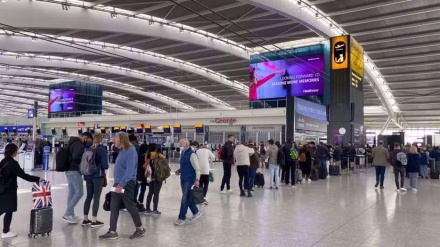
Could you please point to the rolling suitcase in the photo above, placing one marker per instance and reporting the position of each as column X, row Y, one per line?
column 323, row 173
column 299, row 175
column 41, row 219
column 435, row 174
column 334, row 170
column 314, row 175
column 259, row 180
column 41, row 222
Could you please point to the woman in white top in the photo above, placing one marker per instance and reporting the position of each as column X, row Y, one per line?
column 205, row 157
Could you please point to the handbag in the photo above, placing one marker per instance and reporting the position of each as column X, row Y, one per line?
column 105, row 181
column 107, row 202
column 211, row 177
column 197, row 195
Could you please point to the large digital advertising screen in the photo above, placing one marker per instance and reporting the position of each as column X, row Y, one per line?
column 310, row 116
column 61, row 100
column 303, row 76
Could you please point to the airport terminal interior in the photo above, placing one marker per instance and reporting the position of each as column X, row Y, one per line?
column 336, row 101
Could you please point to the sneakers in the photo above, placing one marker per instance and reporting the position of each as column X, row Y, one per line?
column 403, row 190
column 109, row 236
column 139, row 233
column 141, row 208
column 242, row 193
column 249, row 194
column 179, row 222
column 86, row 223
column 397, row 190
column 9, row 235
column 205, row 202
column 148, row 212
column 276, row 188
column 77, row 218
column 229, row 191
column 96, row 224
column 381, row 187
column 70, row 220
column 222, row 192
column 156, row 213
column 376, row 185
column 196, row 216
column 271, row 187
column 414, row 189
column 124, row 210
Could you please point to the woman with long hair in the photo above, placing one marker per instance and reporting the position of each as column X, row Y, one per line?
column 123, row 188
column 155, row 185
column 10, row 169
column 255, row 83
column 95, row 183
column 413, row 167
column 141, row 179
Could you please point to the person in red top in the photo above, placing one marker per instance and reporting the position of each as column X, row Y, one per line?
column 254, row 83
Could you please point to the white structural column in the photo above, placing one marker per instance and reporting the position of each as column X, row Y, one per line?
column 44, row 15
column 16, row 60
column 29, row 72
column 27, row 44
column 307, row 16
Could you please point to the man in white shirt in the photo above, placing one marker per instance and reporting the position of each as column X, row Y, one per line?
column 205, row 157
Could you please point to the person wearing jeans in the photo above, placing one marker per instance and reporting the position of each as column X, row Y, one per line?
column 189, row 176
column 273, row 164
column 398, row 168
column 125, row 174
column 413, row 167
column 423, row 163
column 242, row 155
column 155, row 185
column 74, row 178
column 95, row 183
column 290, row 167
column 380, row 160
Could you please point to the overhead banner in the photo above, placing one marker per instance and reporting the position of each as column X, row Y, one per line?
column 339, row 48
column 299, row 76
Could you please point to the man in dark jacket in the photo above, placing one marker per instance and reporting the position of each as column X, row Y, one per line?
column 228, row 160
column 255, row 162
column 323, row 155
column 262, row 154
column 290, row 167
column 74, row 178
column 337, row 157
column 351, row 153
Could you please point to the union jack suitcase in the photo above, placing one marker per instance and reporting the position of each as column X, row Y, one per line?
column 41, row 221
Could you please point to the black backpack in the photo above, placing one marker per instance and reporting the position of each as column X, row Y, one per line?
column 62, row 159
column 281, row 158
column 4, row 181
column 224, row 154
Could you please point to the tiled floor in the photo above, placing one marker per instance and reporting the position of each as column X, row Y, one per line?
column 341, row 211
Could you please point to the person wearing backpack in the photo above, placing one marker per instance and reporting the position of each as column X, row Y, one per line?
column 74, row 178
column 123, row 188
column 228, row 159
column 398, row 160
column 291, row 156
column 95, row 183
column 10, row 170
column 155, row 185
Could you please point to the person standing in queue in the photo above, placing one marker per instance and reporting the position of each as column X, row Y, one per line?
column 242, row 155
column 74, row 178
column 227, row 156
column 189, row 173
column 95, row 183
column 10, row 169
column 124, row 187
column 255, row 163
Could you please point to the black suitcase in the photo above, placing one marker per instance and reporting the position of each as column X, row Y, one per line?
column 259, row 180
column 334, row 170
column 41, row 222
column 314, row 175
column 323, row 173
column 435, row 174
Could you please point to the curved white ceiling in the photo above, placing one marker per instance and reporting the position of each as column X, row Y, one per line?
column 32, row 72
column 41, row 44
column 16, row 59
column 41, row 15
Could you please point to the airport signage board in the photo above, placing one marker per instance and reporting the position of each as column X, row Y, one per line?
column 339, row 50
